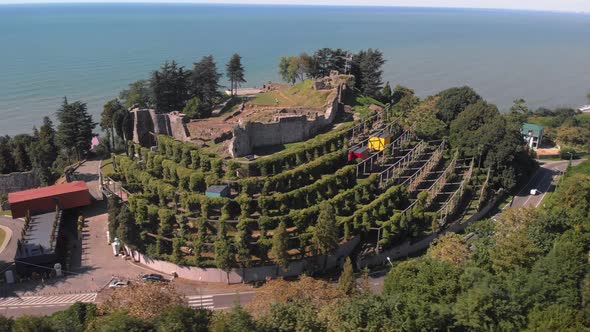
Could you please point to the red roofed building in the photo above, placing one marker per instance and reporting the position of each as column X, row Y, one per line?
column 43, row 200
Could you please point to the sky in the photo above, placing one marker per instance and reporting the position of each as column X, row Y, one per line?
column 545, row 5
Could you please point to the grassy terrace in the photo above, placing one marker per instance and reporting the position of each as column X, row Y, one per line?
column 300, row 95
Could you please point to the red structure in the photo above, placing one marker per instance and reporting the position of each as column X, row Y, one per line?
column 361, row 153
column 43, row 200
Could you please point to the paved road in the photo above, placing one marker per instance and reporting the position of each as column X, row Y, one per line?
column 542, row 180
column 88, row 172
column 219, row 301
column 41, row 305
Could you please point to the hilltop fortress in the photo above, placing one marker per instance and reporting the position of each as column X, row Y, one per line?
column 281, row 115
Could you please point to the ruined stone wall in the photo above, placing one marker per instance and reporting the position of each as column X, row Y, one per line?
column 288, row 129
column 18, row 181
column 147, row 121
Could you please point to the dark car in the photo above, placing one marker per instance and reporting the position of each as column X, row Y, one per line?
column 154, row 277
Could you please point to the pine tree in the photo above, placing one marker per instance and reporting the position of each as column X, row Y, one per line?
column 43, row 152
column 204, row 83
column 169, row 86
column 235, row 72
column 367, row 68
column 74, row 132
column 347, row 282
column 280, row 246
column 325, row 235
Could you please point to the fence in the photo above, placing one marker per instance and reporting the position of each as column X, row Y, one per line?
column 450, row 207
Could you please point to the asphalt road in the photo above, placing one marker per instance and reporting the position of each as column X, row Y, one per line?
column 542, row 180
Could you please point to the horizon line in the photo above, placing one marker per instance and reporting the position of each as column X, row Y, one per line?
column 253, row 4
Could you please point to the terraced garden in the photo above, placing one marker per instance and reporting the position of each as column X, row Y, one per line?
column 297, row 203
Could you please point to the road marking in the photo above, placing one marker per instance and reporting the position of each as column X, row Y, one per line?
column 205, row 301
column 41, row 301
column 227, row 294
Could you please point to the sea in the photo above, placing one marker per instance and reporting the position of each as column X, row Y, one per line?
column 90, row 52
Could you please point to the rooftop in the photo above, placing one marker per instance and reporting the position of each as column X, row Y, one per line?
column 216, row 189
column 38, row 240
column 50, row 191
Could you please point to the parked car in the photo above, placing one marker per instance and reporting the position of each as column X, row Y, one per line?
column 116, row 283
column 154, row 277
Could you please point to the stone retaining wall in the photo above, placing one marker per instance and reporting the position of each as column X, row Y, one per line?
column 260, row 273
column 18, row 181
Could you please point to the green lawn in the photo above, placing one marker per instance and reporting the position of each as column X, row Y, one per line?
column 300, row 95
column 7, row 213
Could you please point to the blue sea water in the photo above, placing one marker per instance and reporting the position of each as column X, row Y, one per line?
column 90, row 52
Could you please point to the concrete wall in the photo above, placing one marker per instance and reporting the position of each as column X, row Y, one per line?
column 260, row 273
column 18, row 181
column 288, row 129
column 147, row 121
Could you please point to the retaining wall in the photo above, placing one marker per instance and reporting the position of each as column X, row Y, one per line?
column 18, row 181
column 260, row 273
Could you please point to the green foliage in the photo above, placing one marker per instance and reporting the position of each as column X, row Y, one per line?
column 236, row 320
column 235, row 72
column 196, row 109
column 452, row 102
column 74, row 132
column 138, row 93
column 75, row 318
column 347, row 281
column 326, row 233
column 183, row 319
column 292, row 316
column 204, row 84
column 293, row 68
column 119, row 321
column 280, row 246
column 169, row 85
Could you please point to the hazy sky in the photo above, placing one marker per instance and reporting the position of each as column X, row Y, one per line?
column 551, row 5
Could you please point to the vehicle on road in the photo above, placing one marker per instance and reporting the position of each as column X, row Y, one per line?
column 116, row 283
column 154, row 277
column 534, row 192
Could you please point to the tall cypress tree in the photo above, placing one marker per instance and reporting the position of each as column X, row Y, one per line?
column 280, row 246
column 325, row 235
column 347, row 282
column 235, row 72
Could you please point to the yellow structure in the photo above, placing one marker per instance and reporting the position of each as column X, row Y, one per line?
column 378, row 142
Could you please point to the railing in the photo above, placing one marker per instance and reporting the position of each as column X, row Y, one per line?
column 483, row 194
column 394, row 170
column 421, row 174
column 115, row 188
column 450, row 207
column 440, row 183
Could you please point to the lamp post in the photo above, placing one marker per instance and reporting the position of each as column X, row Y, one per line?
column 389, row 260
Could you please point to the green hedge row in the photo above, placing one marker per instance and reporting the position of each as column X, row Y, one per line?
column 297, row 177
column 308, row 151
column 325, row 188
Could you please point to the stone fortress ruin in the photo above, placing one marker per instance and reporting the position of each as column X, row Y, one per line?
column 279, row 114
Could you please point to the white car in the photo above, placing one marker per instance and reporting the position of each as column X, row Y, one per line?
column 534, row 192
column 118, row 283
